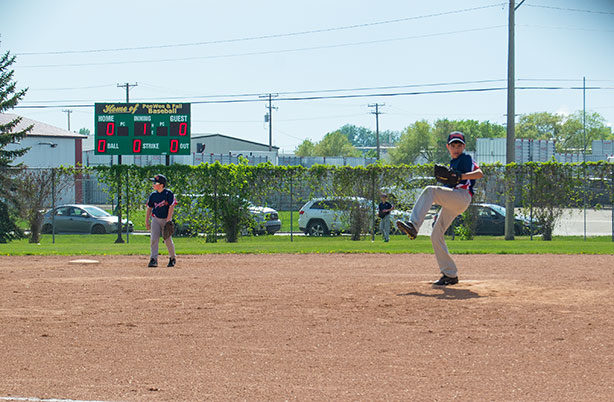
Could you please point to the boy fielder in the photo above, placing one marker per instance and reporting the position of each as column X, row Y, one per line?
column 454, row 200
column 160, row 208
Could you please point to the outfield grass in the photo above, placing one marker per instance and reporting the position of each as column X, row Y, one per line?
column 139, row 244
column 138, row 220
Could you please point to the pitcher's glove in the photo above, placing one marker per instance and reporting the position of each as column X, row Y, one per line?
column 445, row 175
column 168, row 229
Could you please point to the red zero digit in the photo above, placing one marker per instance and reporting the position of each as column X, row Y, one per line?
column 102, row 145
column 183, row 128
column 136, row 146
column 110, row 128
column 174, row 146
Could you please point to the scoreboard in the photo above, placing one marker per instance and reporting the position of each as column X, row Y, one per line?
column 142, row 129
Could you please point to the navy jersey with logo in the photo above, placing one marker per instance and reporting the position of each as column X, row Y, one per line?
column 464, row 164
column 160, row 202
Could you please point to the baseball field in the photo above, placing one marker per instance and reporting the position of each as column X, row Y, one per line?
column 361, row 326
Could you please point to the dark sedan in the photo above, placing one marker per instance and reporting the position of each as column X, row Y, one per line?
column 490, row 221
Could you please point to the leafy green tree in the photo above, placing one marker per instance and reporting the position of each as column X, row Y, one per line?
column 335, row 144
column 416, row 140
column 9, row 98
column 572, row 131
column 305, row 149
column 539, row 126
column 364, row 137
column 84, row 131
column 568, row 132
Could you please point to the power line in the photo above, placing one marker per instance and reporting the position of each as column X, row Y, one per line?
column 347, row 96
column 346, row 27
column 244, row 95
column 265, row 52
column 571, row 9
column 564, row 28
column 312, row 91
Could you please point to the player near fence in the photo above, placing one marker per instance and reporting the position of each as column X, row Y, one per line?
column 383, row 211
column 160, row 208
column 454, row 197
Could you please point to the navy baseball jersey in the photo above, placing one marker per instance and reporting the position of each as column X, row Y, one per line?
column 464, row 164
column 160, row 202
column 382, row 206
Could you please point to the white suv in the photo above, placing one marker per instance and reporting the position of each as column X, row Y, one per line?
column 323, row 216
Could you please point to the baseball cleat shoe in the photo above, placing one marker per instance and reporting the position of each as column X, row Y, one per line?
column 171, row 262
column 153, row 263
column 408, row 228
column 446, row 280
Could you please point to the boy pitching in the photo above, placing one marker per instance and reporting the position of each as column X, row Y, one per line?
column 160, row 208
column 453, row 200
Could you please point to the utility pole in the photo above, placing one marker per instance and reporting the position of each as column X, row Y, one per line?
column 511, row 122
column 377, row 113
column 68, row 112
column 269, row 118
column 119, row 186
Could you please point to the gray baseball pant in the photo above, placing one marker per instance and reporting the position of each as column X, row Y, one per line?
column 453, row 203
column 156, row 232
column 384, row 227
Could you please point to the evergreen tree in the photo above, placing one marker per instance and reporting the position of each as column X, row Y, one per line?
column 9, row 98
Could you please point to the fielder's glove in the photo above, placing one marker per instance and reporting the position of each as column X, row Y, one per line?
column 445, row 175
column 168, row 229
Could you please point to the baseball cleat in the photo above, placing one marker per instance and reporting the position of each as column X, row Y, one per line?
column 408, row 228
column 171, row 262
column 153, row 263
column 446, row 280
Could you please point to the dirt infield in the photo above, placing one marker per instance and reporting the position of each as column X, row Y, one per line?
column 323, row 327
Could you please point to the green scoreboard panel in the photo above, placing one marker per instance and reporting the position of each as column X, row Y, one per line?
column 142, row 129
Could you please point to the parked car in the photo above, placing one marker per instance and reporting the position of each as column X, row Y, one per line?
column 490, row 221
column 323, row 216
column 265, row 220
column 79, row 218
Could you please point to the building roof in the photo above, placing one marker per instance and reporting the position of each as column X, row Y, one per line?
column 198, row 136
column 40, row 129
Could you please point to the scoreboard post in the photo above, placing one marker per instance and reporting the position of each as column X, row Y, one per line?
column 142, row 129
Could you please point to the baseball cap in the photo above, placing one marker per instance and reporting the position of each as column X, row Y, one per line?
column 456, row 136
column 159, row 179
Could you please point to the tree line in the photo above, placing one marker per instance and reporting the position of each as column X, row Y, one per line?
column 425, row 141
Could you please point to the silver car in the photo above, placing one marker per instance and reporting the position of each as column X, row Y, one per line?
column 79, row 218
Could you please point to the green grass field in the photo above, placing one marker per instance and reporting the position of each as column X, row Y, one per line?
column 138, row 220
column 139, row 244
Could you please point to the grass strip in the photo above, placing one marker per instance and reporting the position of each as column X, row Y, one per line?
column 139, row 245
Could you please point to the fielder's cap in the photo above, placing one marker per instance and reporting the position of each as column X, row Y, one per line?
column 159, row 179
column 456, row 136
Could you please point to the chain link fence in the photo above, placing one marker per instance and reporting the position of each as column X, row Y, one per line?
column 579, row 197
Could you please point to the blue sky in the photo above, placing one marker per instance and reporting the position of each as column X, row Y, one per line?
column 193, row 51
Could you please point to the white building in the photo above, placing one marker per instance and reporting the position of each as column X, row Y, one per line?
column 49, row 146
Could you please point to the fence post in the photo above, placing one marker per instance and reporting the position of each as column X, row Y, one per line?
column 53, row 205
column 291, row 208
column 372, row 203
column 127, row 206
column 119, row 207
column 531, row 201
